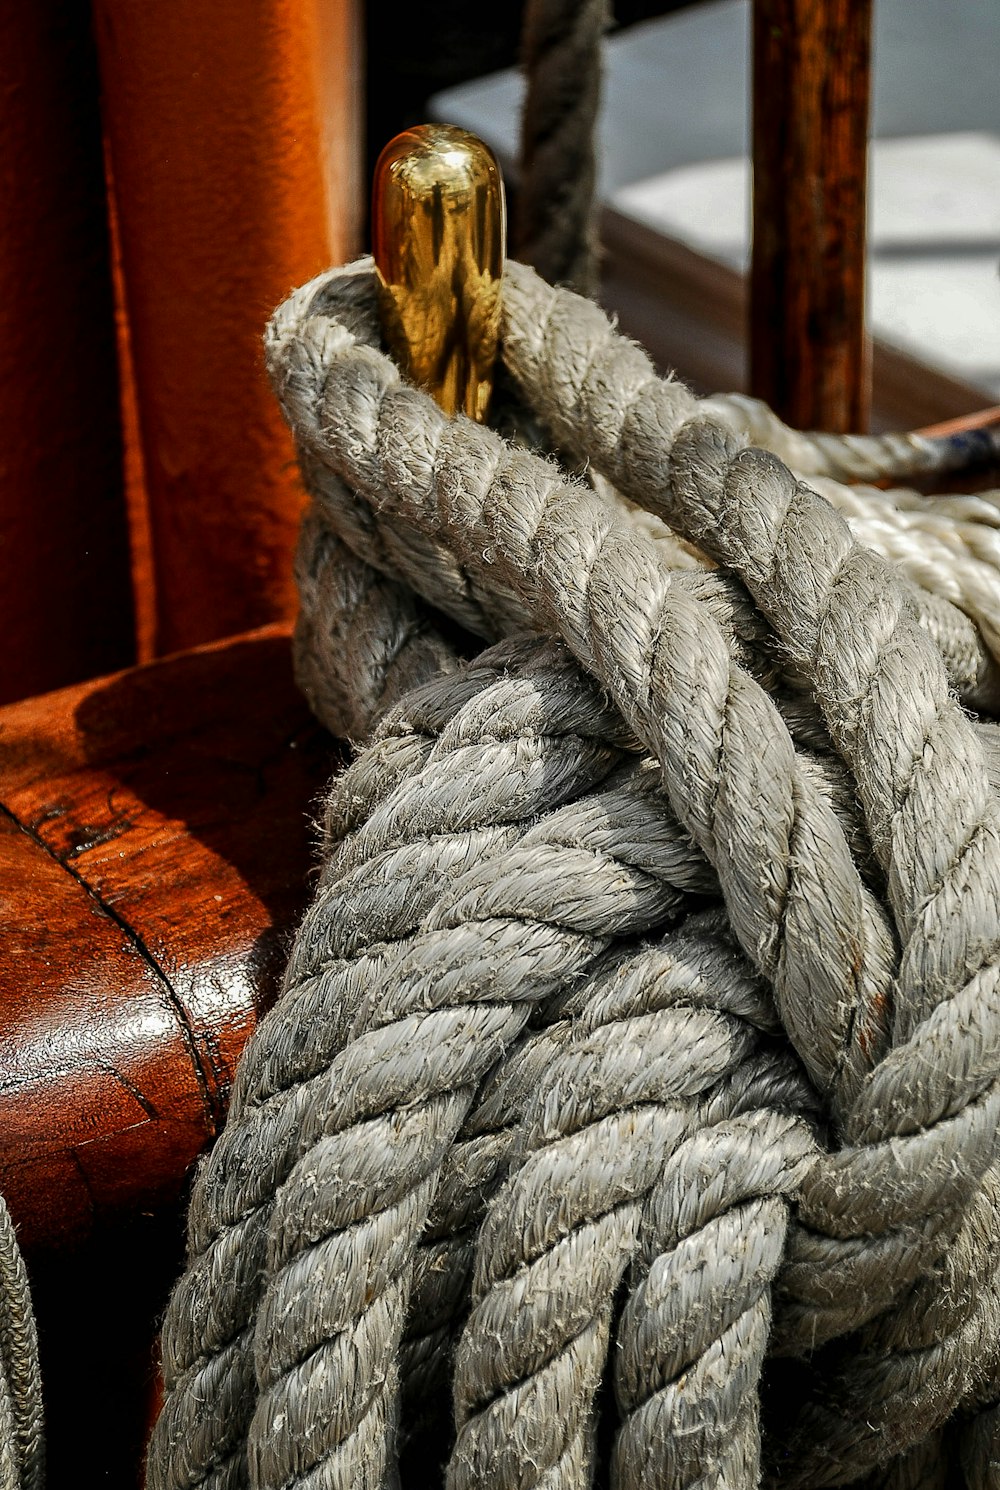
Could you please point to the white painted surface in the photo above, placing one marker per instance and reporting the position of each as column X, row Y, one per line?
column 674, row 141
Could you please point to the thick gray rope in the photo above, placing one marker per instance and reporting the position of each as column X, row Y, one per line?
column 22, row 1436
column 537, row 758
column 406, row 549
column 656, row 699
column 939, row 550
column 480, row 605
column 547, row 477
column 694, row 1331
column 556, row 223
column 587, row 545
column 436, row 1015
column 656, row 1031
column 361, row 483
column 347, row 621
column 355, row 649
column 428, row 566
column 747, row 512
column 479, row 1159
column 743, row 508
column 659, row 849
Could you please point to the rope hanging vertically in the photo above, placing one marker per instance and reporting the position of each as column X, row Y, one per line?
column 556, row 223
column 22, row 1441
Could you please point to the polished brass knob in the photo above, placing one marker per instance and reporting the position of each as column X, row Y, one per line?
column 439, row 232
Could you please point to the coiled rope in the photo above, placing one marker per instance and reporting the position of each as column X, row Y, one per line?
column 530, row 1110
column 644, row 1030
column 523, row 1092
column 631, row 1105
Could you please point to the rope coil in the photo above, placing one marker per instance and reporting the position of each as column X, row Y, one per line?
column 647, row 1012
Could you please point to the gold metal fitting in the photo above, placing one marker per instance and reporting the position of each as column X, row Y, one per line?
column 439, row 233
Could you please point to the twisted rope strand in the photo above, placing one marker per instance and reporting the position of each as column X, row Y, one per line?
column 853, row 458
column 206, row 1335
column 457, row 995
column 693, row 1332
column 750, row 514
column 472, row 876
column 923, row 1087
column 556, row 221
column 22, row 1435
column 933, row 827
column 617, row 1097
column 572, row 561
column 571, row 610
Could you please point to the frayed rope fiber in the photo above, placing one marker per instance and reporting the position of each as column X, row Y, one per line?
column 630, row 1111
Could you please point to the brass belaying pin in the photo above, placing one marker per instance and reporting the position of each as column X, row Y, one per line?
column 438, row 235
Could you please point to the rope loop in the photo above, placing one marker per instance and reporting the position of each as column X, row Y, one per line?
column 643, row 1036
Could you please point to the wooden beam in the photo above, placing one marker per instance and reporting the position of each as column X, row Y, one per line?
column 154, row 859
column 154, row 856
column 809, row 353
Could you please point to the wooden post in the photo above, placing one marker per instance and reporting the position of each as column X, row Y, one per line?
column 809, row 352
column 65, row 592
column 234, row 136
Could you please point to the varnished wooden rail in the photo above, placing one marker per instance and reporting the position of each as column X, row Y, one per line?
column 235, row 148
column 65, row 594
column 154, row 858
column 154, row 855
column 235, row 153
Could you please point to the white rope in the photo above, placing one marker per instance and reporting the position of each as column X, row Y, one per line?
column 462, row 1073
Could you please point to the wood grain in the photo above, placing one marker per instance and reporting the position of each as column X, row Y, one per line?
column 154, row 856
column 809, row 354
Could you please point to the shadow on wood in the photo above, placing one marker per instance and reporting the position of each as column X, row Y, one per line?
column 155, row 857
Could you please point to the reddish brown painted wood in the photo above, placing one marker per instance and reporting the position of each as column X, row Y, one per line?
column 809, row 353
column 65, row 592
column 154, row 855
column 234, row 138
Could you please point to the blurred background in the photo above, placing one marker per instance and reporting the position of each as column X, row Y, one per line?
column 675, row 145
